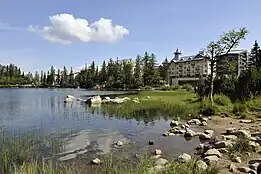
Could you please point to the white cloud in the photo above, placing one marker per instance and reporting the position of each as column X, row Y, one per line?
column 65, row 28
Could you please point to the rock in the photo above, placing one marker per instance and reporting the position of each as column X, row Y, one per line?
column 68, row 100
column 229, row 137
column 174, row 123
column 136, row 101
column 148, row 97
column 151, row 143
column 211, row 159
column 171, row 134
column 155, row 169
column 204, row 119
column 203, row 123
column 184, row 158
column 161, row 162
column 94, row 100
column 183, row 126
column 174, row 130
column 70, row 96
column 254, row 145
column 165, row 134
column 243, row 134
column 200, row 147
column 119, row 143
column 189, row 133
column 209, row 132
column 68, row 157
column 203, row 136
column 237, row 160
column 157, row 152
column 182, row 131
column 96, row 161
column 232, row 168
column 258, row 170
column 223, row 144
column 213, row 152
column 194, row 121
column 244, row 169
column 254, row 166
column 202, row 165
column 245, row 121
column 248, row 154
column 223, row 150
column 187, row 126
column 230, row 131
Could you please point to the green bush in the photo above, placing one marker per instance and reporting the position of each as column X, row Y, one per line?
column 239, row 108
column 222, row 100
column 188, row 87
column 207, row 109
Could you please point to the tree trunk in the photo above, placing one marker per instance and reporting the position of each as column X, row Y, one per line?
column 211, row 78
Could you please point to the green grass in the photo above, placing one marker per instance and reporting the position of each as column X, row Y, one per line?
column 168, row 104
column 240, row 147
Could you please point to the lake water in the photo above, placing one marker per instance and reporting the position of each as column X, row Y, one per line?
column 44, row 111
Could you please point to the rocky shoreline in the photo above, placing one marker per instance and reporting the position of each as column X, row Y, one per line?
column 218, row 137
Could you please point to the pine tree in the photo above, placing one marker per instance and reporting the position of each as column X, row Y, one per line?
column 71, row 78
column 163, row 70
column 103, row 73
column 255, row 56
column 137, row 72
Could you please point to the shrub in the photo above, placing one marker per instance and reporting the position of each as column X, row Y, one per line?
column 222, row 100
column 188, row 87
column 207, row 109
column 239, row 108
column 240, row 146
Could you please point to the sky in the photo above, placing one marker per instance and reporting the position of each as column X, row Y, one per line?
column 37, row 34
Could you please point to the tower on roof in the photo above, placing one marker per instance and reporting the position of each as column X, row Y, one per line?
column 177, row 54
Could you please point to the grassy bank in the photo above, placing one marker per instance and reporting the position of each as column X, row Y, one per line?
column 183, row 103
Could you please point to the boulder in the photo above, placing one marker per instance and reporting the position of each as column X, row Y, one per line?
column 203, row 136
column 245, row 121
column 202, row 165
column 174, row 123
column 70, row 96
column 230, row 131
column 94, row 100
column 157, row 152
column 237, row 160
column 189, row 133
column 244, row 169
column 194, row 121
column 203, row 123
column 209, row 132
column 211, row 159
column 68, row 100
column 161, row 162
column 229, row 137
column 223, row 144
column 184, row 158
column 119, row 143
column 254, row 166
column 213, row 152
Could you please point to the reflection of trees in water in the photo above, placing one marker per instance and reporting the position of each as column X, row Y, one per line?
column 145, row 115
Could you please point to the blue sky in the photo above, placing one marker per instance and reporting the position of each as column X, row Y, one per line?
column 147, row 25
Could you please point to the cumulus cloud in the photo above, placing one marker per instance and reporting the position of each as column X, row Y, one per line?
column 65, row 28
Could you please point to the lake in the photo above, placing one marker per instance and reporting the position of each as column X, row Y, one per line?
column 87, row 130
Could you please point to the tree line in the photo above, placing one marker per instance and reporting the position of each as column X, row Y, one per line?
column 126, row 73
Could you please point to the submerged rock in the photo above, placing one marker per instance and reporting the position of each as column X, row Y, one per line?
column 151, row 143
column 68, row 100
